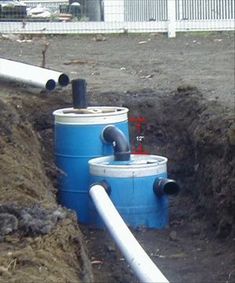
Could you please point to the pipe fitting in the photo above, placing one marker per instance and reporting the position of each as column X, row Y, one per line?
column 79, row 93
column 165, row 186
column 113, row 135
column 103, row 184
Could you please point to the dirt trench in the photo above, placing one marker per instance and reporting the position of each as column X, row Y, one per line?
column 39, row 240
column 197, row 136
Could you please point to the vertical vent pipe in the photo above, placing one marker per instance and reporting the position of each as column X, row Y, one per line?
column 79, row 93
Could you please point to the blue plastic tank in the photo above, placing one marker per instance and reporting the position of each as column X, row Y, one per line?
column 132, row 193
column 77, row 140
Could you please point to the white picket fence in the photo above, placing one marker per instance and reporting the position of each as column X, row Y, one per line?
column 137, row 16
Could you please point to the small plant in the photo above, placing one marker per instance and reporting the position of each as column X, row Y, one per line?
column 44, row 50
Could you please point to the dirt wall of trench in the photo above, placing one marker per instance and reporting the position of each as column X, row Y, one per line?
column 39, row 240
column 197, row 136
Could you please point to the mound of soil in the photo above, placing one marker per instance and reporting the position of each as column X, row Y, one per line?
column 39, row 241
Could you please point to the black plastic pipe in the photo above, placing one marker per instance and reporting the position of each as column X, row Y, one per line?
column 112, row 134
column 165, row 186
column 79, row 93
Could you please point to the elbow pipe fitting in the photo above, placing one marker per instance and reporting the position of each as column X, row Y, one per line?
column 165, row 186
column 113, row 135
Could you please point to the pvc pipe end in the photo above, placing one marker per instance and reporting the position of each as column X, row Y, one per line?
column 165, row 186
column 50, row 85
column 171, row 188
column 63, row 80
column 103, row 184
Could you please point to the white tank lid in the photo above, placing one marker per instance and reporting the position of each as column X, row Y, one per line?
column 140, row 165
column 91, row 115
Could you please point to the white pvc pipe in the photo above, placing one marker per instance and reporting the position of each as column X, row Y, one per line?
column 135, row 255
column 32, row 75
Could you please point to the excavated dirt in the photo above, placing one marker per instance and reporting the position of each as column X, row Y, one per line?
column 39, row 241
column 191, row 124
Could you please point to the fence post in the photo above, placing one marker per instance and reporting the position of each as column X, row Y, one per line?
column 171, row 12
column 113, row 10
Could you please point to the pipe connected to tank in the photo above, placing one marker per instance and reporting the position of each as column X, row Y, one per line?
column 165, row 186
column 79, row 94
column 31, row 75
column 135, row 255
column 113, row 135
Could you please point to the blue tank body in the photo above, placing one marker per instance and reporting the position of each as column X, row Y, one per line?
column 75, row 145
column 133, row 195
